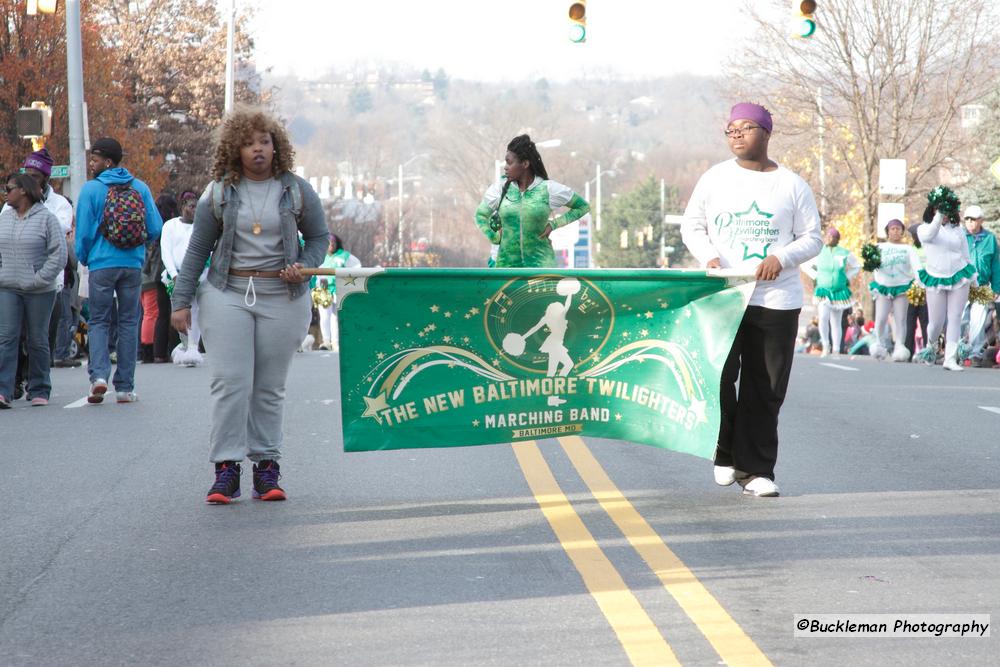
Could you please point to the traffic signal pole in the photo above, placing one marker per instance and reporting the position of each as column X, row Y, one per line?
column 74, row 90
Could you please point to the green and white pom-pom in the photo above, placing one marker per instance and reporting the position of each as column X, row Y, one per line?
column 946, row 202
column 871, row 257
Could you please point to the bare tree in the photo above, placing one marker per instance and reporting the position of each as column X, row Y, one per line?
column 893, row 77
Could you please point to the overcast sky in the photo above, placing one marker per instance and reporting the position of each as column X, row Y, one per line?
column 489, row 40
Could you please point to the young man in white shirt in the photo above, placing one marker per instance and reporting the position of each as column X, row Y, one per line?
column 754, row 215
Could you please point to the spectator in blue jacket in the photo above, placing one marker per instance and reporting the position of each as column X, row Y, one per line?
column 114, row 270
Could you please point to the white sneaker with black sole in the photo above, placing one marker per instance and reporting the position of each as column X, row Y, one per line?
column 761, row 487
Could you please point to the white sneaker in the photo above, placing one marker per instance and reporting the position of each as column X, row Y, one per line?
column 725, row 475
column 900, row 353
column 126, row 396
column 951, row 362
column 760, row 487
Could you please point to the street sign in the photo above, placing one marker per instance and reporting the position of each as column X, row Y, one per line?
column 995, row 169
column 60, row 171
column 892, row 177
column 887, row 212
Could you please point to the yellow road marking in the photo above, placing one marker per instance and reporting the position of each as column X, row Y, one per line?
column 637, row 633
column 722, row 632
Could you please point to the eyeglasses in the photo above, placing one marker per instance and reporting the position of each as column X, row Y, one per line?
column 740, row 131
column 967, row 218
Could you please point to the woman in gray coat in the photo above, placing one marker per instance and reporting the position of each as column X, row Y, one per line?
column 32, row 254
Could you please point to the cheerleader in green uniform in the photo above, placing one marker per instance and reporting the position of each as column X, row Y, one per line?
column 325, row 292
column 832, row 270
column 894, row 276
column 524, row 224
column 948, row 276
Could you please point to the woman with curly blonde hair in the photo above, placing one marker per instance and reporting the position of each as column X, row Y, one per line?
column 254, row 306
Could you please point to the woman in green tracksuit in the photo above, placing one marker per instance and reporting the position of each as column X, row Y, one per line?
column 524, row 211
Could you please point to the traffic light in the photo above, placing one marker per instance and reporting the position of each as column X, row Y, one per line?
column 805, row 26
column 578, row 21
column 41, row 6
column 34, row 121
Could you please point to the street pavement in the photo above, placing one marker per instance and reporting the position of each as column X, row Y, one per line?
column 498, row 555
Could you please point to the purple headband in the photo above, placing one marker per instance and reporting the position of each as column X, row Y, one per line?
column 754, row 112
column 894, row 221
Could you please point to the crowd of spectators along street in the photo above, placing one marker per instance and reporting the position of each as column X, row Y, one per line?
column 70, row 296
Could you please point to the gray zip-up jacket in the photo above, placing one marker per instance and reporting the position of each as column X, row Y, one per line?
column 215, row 237
column 32, row 250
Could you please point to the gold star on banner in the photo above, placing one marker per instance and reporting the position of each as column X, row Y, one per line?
column 618, row 417
column 373, row 406
column 649, row 315
column 644, row 332
column 468, row 317
column 496, row 362
column 625, row 334
column 396, row 345
column 432, row 327
column 475, row 422
column 380, row 356
column 447, row 339
column 368, row 379
column 447, row 314
column 434, row 309
column 350, row 280
column 475, row 311
column 421, row 334
column 465, row 339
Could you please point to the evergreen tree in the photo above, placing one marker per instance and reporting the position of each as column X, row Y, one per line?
column 984, row 189
column 632, row 229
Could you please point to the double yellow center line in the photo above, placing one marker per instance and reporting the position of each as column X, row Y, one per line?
column 639, row 636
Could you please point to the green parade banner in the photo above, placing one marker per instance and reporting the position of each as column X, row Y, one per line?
column 458, row 357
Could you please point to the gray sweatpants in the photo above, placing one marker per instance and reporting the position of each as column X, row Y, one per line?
column 251, row 338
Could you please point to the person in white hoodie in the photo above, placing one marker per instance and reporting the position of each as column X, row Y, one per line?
column 890, row 282
column 947, row 277
column 174, row 240
column 753, row 215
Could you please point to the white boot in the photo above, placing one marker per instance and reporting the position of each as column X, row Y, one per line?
column 900, row 353
column 951, row 357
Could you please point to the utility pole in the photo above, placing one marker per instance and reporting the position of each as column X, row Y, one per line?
column 400, row 176
column 663, row 213
column 597, row 217
column 590, row 229
column 230, row 55
column 74, row 93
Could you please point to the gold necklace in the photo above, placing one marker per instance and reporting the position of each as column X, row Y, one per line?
column 256, row 226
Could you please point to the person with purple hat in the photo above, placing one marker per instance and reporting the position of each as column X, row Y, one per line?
column 38, row 165
column 898, row 268
column 755, row 216
column 833, row 270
